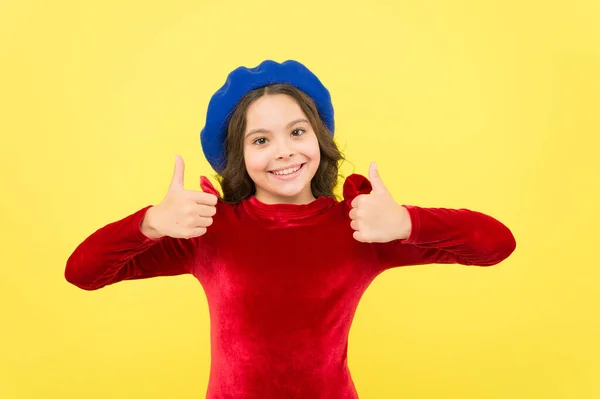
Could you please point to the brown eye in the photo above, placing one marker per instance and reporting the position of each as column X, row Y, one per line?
column 297, row 132
column 260, row 141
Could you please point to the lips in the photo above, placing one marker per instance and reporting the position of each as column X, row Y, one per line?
column 295, row 166
column 293, row 171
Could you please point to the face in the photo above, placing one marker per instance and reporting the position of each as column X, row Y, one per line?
column 281, row 151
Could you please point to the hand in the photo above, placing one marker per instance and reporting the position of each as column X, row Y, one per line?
column 182, row 213
column 377, row 217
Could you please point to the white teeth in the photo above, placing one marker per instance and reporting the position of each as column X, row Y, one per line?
column 286, row 171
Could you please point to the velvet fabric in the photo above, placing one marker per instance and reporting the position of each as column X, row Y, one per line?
column 283, row 282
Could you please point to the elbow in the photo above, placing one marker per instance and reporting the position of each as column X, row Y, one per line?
column 501, row 247
column 73, row 274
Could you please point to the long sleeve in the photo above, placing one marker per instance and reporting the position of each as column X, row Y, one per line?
column 120, row 251
column 441, row 235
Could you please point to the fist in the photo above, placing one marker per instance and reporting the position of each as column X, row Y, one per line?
column 377, row 217
column 182, row 213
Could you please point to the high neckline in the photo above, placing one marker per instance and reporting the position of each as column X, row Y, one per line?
column 284, row 212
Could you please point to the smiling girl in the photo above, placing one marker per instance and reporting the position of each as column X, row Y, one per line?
column 283, row 263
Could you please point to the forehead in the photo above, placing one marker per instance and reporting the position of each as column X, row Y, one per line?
column 272, row 110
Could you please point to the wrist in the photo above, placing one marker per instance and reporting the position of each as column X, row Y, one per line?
column 405, row 224
column 147, row 227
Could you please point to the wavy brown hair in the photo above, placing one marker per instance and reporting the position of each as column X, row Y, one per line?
column 234, row 179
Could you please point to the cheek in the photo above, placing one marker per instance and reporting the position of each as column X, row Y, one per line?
column 312, row 149
column 254, row 161
column 248, row 161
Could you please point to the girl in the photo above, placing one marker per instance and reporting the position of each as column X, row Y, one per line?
column 283, row 263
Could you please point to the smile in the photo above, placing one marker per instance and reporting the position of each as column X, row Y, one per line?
column 287, row 173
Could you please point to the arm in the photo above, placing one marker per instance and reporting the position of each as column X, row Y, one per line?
column 121, row 251
column 440, row 235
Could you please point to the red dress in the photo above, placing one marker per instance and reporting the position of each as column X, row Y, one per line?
column 283, row 282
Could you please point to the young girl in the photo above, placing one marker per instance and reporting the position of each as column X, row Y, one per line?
column 283, row 263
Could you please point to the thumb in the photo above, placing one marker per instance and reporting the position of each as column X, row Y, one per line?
column 376, row 182
column 177, row 179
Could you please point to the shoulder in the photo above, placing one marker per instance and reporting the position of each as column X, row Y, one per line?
column 355, row 185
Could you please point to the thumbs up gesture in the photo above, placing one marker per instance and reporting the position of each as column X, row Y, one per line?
column 182, row 213
column 377, row 217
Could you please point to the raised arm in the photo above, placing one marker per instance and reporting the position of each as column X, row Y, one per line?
column 120, row 251
column 160, row 240
column 442, row 235
column 404, row 235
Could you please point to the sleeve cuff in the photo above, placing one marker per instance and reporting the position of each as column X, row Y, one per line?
column 138, row 219
column 415, row 220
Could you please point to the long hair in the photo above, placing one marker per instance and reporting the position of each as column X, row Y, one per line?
column 235, row 180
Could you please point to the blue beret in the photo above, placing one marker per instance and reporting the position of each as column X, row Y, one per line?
column 243, row 80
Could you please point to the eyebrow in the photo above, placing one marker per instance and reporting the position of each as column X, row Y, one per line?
column 261, row 130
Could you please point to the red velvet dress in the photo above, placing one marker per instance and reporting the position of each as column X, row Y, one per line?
column 283, row 282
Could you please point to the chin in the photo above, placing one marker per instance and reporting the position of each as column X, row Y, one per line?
column 288, row 191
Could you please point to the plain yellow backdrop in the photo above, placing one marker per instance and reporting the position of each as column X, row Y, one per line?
column 487, row 105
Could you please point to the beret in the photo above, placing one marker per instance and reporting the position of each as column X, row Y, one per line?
column 243, row 80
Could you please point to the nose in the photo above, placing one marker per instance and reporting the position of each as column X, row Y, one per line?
column 284, row 149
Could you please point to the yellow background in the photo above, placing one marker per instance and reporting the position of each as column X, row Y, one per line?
column 488, row 105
